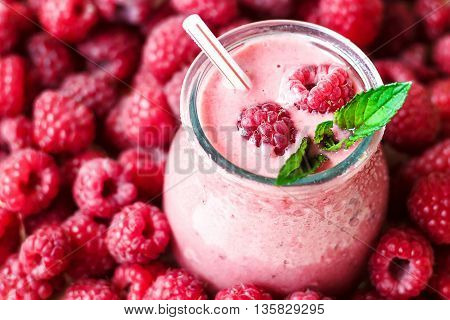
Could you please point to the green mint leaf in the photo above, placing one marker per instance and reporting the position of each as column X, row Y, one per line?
column 299, row 165
column 324, row 137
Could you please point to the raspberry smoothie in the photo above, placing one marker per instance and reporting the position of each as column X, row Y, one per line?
column 230, row 223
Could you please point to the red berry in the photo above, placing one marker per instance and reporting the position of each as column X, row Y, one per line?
column 308, row 10
column 71, row 166
column 130, row 11
column 176, row 284
column 139, row 233
column 394, row 71
column 416, row 58
column 114, row 132
column 172, row 90
column 435, row 14
column 102, row 188
column 9, row 234
column 358, row 20
column 13, row 23
column 267, row 123
column 29, row 181
column 60, row 125
column 46, row 253
column 12, row 85
column 243, row 292
column 441, row 53
column 273, row 8
column 308, row 294
column 214, row 12
column 440, row 97
column 15, row 133
column 68, row 20
column 91, row 289
column 402, row 264
column 440, row 283
column 168, row 48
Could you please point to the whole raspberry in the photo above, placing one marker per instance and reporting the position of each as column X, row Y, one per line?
column 29, row 181
column 16, row 284
column 51, row 59
column 9, row 233
column 358, row 20
column 139, row 233
column 114, row 130
column 60, row 125
column 71, row 166
column 441, row 53
column 165, row 11
column 322, row 88
column 440, row 97
column 272, row 8
column 267, row 123
column 146, row 168
column 133, row 280
column 172, row 90
column 243, row 292
column 68, row 20
column 436, row 16
column 402, row 264
column 214, row 12
column 96, row 91
column 168, row 48
column 176, row 284
column 417, row 58
column 12, row 85
column 13, row 23
column 15, row 133
column 46, row 253
column 308, row 294
column 114, row 50
column 92, row 258
column 130, row 11
column 102, row 188
column 429, row 204
column 392, row 70
column 91, row 289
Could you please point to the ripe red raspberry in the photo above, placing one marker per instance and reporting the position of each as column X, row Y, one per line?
column 243, row 292
column 116, row 50
column 358, row 20
column 102, row 188
column 402, row 264
column 29, row 181
column 15, row 133
column 267, row 123
column 164, row 11
column 436, row 16
column 322, row 88
column 71, row 166
column 146, row 168
column 133, row 280
column 139, row 233
column 176, row 284
column 168, row 48
column 429, row 206
column 172, row 89
column 88, row 237
column 114, row 131
column 51, row 59
column 130, row 11
column 12, row 85
column 46, row 253
column 60, row 125
column 68, row 20
column 272, row 8
column 416, row 58
column 9, row 233
column 16, row 284
column 394, row 71
column 440, row 97
column 308, row 294
column 13, row 23
column 214, row 12
column 441, row 53
column 91, row 289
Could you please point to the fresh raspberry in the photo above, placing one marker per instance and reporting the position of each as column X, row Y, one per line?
column 440, row 97
column 16, row 284
column 95, row 91
column 214, row 12
column 91, row 289
column 51, row 59
column 45, row 253
column 320, row 89
column 9, row 233
column 146, row 168
column 436, row 16
column 68, row 20
column 91, row 258
column 114, row 131
column 308, row 294
column 165, row 11
column 13, row 23
column 394, row 71
column 15, row 133
column 417, row 58
column 114, row 50
column 243, row 292
column 133, row 280
column 358, row 20
column 429, row 206
column 29, row 181
column 60, row 125
column 236, row 23
column 102, row 188
column 273, row 8
column 168, row 48
column 71, row 166
column 12, row 85
column 172, row 89
column 138, row 234
column 130, row 11
column 440, row 282
column 267, row 123
column 416, row 124
column 402, row 264
column 441, row 53
column 176, row 284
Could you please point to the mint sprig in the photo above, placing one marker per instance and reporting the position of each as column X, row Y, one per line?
column 299, row 165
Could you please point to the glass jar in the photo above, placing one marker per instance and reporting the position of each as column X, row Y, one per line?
column 232, row 226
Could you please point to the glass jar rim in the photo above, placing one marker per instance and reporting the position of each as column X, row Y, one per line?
column 346, row 50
